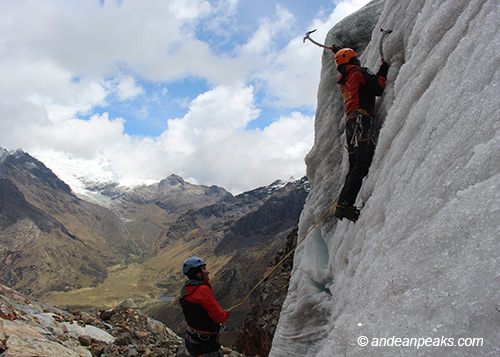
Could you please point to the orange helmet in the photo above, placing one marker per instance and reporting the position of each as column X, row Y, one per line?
column 344, row 56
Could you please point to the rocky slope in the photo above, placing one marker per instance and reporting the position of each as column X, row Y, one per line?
column 48, row 235
column 30, row 327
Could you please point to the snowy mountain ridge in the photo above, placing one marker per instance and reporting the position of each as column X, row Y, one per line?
column 84, row 176
column 422, row 260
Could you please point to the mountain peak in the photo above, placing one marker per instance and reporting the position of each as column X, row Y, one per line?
column 20, row 160
column 172, row 180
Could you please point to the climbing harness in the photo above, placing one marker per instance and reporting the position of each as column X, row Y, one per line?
column 332, row 47
column 286, row 256
column 380, row 49
column 202, row 335
column 357, row 136
column 211, row 354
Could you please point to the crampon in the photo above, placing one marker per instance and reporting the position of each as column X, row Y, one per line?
column 346, row 211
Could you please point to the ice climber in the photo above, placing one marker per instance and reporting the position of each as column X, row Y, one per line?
column 359, row 87
column 202, row 312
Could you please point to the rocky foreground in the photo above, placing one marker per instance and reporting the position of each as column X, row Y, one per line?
column 29, row 327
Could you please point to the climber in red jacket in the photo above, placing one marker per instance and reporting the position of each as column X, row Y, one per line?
column 202, row 312
column 359, row 87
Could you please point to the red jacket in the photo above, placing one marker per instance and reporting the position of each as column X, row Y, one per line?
column 200, row 307
column 359, row 86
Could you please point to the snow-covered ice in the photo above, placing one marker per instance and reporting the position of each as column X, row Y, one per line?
column 423, row 259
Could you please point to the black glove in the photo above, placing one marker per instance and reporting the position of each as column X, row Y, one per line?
column 382, row 71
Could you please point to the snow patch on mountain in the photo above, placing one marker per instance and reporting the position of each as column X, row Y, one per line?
column 3, row 154
column 84, row 175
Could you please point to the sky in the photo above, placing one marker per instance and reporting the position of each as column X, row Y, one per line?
column 218, row 92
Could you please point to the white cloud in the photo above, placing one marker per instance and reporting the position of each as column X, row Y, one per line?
column 61, row 59
column 292, row 77
column 83, row 138
column 209, row 144
column 345, row 8
column 127, row 88
column 268, row 32
column 189, row 9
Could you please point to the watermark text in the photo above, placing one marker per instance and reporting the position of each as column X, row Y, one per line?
column 420, row 342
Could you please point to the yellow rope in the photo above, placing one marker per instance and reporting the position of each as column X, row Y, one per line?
column 286, row 256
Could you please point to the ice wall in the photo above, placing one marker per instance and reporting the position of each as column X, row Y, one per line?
column 423, row 259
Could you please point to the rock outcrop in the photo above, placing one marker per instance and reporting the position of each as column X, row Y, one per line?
column 29, row 327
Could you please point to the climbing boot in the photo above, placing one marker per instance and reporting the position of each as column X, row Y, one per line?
column 346, row 211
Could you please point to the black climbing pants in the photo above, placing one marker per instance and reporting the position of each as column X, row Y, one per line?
column 360, row 148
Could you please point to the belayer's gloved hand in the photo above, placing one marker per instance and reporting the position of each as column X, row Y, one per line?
column 382, row 71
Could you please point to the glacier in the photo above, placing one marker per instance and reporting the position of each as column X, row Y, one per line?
column 421, row 265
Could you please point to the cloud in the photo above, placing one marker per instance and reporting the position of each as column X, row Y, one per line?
column 83, row 138
column 269, row 32
column 209, row 145
column 189, row 9
column 64, row 62
column 127, row 88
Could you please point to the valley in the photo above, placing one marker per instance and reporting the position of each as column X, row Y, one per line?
column 125, row 246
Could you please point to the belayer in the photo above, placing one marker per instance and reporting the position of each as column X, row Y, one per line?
column 359, row 87
column 202, row 312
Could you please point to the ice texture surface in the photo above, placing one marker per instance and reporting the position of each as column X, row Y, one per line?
column 423, row 260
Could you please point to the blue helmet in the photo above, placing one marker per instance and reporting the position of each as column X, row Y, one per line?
column 192, row 262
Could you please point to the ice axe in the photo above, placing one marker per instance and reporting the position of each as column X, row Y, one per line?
column 332, row 47
column 381, row 51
